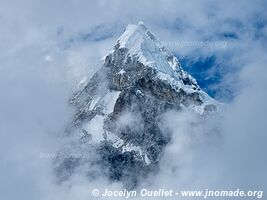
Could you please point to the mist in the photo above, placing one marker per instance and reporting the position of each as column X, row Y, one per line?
column 47, row 48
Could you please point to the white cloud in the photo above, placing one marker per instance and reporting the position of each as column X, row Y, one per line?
column 39, row 70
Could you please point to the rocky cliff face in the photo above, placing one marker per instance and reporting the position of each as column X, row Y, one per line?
column 118, row 112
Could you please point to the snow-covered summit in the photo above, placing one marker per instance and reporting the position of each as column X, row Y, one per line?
column 148, row 48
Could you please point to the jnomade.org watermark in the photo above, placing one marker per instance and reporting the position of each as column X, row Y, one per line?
column 197, row 44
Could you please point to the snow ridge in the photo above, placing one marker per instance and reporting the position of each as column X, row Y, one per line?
column 149, row 50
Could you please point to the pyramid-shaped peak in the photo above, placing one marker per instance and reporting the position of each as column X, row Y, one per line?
column 140, row 42
column 136, row 35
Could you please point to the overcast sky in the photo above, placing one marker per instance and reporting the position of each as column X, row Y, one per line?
column 47, row 47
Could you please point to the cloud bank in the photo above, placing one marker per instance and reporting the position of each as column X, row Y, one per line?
column 48, row 47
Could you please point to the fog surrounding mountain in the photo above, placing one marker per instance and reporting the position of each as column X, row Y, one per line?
column 119, row 111
column 51, row 51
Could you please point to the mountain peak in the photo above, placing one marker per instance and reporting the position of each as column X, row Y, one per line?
column 119, row 111
column 144, row 45
column 134, row 36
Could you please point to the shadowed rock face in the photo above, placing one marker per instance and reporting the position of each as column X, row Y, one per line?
column 119, row 110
